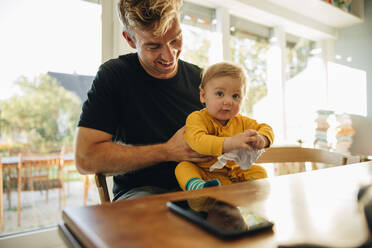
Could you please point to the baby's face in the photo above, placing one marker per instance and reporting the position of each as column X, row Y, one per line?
column 222, row 97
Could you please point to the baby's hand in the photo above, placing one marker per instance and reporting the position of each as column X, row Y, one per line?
column 258, row 141
column 246, row 140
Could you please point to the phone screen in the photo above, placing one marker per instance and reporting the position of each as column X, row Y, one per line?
column 219, row 217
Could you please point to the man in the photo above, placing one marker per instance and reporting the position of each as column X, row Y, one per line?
column 141, row 99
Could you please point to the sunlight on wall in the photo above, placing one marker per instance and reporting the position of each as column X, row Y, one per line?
column 347, row 89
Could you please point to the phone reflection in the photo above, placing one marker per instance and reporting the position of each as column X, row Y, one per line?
column 219, row 214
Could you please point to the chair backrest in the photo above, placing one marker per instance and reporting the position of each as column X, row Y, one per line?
column 299, row 154
column 104, row 183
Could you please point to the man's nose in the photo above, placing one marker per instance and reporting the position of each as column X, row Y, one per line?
column 168, row 53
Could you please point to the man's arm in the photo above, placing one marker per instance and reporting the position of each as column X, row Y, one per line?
column 96, row 153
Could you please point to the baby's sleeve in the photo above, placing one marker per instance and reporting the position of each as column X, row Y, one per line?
column 198, row 136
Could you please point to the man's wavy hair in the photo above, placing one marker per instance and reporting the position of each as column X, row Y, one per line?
column 224, row 69
column 155, row 15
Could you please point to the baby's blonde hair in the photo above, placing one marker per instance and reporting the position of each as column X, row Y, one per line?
column 155, row 15
column 223, row 69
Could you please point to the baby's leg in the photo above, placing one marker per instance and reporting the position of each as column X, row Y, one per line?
column 189, row 177
column 224, row 179
column 255, row 172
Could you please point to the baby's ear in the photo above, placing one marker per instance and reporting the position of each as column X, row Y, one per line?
column 202, row 95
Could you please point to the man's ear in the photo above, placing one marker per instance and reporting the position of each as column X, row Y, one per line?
column 130, row 41
column 202, row 95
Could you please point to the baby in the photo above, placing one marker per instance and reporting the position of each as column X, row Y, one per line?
column 219, row 129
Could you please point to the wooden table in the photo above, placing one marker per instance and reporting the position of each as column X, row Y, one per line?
column 318, row 207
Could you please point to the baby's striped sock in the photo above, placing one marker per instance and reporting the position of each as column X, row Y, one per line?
column 198, row 183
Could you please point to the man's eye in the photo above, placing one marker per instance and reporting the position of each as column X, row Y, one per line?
column 153, row 47
column 176, row 40
column 219, row 93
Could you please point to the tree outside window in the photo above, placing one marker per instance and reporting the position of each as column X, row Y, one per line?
column 196, row 45
column 250, row 52
column 297, row 54
column 42, row 118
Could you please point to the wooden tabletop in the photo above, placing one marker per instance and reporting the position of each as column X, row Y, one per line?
column 318, row 207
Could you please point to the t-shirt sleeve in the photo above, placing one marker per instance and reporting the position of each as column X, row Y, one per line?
column 99, row 111
column 198, row 138
column 261, row 128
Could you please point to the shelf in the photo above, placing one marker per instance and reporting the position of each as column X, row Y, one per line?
column 324, row 12
column 312, row 19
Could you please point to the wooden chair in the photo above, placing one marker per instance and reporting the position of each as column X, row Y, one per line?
column 34, row 172
column 103, row 187
column 302, row 155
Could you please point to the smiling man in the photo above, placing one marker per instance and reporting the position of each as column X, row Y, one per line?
column 132, row 123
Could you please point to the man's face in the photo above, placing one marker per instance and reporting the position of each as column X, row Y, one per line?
column 159, row 55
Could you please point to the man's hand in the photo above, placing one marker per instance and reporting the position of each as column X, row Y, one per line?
column 178, row 150
column 246, row 140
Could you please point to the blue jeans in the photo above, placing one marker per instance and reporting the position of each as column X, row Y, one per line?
column 143, row 191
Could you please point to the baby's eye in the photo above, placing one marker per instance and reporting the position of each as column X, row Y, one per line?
column 236, row 96
column 219, row 93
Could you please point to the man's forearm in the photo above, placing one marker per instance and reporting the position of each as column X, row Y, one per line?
column 110, row 157
column 96, row 153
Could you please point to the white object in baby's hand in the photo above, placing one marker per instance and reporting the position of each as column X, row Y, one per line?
column 241, row 156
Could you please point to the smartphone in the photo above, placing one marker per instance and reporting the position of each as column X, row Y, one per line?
column 220, row 218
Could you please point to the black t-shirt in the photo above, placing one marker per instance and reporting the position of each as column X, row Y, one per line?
column 138, row 109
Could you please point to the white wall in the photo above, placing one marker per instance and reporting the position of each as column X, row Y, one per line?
column 356, row 42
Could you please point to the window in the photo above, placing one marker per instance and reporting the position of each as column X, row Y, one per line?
column 51, row 49
column 198, row 34
column 305, row 87
column 297, row 54
column 248, row 47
